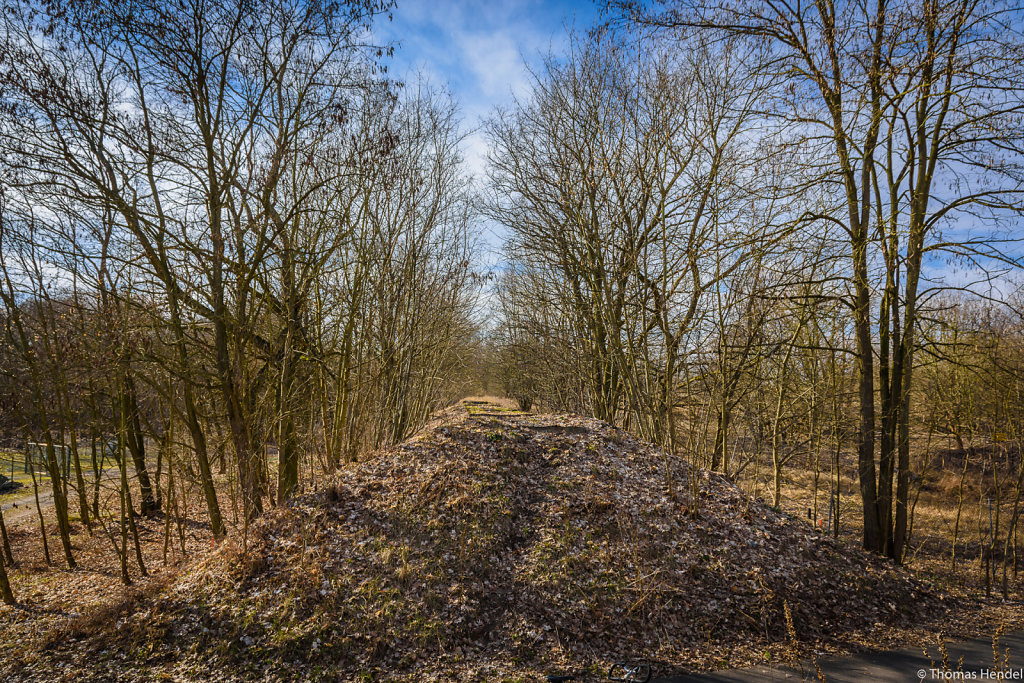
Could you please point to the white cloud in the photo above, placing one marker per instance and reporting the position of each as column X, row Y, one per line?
column 497, row 64
column 480, row 51
column 995, row 280
column 474, row 149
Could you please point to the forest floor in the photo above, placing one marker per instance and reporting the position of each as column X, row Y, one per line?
column 493, row 545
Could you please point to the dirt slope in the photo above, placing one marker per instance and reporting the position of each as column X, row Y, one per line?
column 495, row 546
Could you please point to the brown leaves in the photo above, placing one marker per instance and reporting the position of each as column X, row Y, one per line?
column 506, row 544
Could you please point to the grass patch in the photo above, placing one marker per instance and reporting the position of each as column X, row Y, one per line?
column 12, row 467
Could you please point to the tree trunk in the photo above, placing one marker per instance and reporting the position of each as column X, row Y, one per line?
column 8, row 555
column 39, row 513
column 135, row 441
column 60, row 502
column 866, row 394
column 6, row 594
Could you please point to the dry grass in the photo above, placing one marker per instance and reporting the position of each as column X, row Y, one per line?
column 976, row 611
column 11, row 466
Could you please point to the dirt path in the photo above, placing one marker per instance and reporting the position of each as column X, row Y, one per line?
column 24, row 507
column 971, row 660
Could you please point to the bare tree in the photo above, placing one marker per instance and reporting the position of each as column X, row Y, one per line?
column 622, row 180
column 892, row 99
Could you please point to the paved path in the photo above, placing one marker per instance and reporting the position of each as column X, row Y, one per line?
column 899, row 666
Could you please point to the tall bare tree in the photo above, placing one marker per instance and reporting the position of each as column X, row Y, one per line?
column 907, row 110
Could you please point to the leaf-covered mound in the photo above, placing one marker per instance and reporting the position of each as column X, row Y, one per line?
column 502, row 543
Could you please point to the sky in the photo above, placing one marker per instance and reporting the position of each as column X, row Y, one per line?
column 480, row 51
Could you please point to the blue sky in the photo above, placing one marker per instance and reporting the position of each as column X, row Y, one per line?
column 479, row 50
